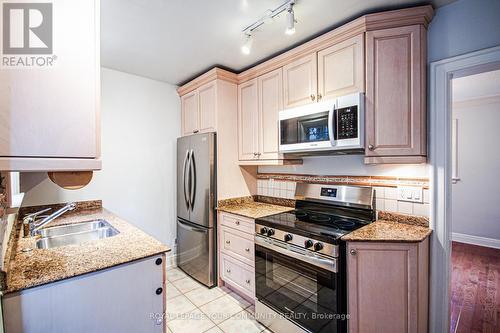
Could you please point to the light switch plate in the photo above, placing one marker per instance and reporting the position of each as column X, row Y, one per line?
column 410, row 194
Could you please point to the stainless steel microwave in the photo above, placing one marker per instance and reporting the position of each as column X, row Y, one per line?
column 334, row 126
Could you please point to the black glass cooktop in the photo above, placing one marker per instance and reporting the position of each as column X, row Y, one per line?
column 308, row 223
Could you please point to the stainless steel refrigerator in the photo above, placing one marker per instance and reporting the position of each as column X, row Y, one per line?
column 196, row 217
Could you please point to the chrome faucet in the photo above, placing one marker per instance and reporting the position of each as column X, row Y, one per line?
column 31, row 225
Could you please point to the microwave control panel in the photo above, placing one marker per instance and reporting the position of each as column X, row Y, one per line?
column 347, row 123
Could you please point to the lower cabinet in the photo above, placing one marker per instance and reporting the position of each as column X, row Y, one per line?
column 388, row 286
column 236, row 253
column 125, row 298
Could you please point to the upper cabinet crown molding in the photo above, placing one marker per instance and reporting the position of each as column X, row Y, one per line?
column 213, row 74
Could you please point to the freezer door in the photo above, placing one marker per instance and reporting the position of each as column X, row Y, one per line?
column 196, row 252
column 202, row 175
column 183, row 159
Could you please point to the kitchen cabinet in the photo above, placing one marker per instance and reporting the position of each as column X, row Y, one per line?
column 300, row 79
column 49, row 117
column 388, row 286
column 395, row 95
column 199, row 109
column 105, row 301
column 248, row 113
column 236, row 253
column 341, row 68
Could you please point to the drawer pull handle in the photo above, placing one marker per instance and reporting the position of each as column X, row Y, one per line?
column 228, row 270
column 228, row 242
column 247, row 281
column 247, row 249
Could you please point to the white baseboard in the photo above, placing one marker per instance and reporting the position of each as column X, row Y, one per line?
column 476, row 240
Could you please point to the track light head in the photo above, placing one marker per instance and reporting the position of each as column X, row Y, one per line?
column 247, row 44
column 290, row 20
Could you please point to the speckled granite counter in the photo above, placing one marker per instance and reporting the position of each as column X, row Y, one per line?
column 41, row 266
column 389, row 231
column 252, row 209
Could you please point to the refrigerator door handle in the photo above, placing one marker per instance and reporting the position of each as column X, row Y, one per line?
column 193, row 180
column 184, row 179
column 189, row 228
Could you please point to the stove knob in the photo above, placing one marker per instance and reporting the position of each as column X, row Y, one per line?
column 318, row 247
column 263, row 230
column 270, row 232
column 288, row 237
column 308, row 243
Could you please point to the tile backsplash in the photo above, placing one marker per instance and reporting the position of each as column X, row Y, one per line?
column 386, row 197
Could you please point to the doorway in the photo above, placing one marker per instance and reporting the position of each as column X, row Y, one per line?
column 475, row 209
column 441, row 155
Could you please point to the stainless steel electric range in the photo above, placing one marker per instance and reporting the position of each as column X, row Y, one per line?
column 300, row 261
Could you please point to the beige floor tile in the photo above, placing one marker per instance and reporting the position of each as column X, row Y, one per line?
column 241, row 301
column 192, row 322
column 202, row 296
column 214, row 329
column 242, row 322
column 251, row 309
column 178, row 306
column 172, row 292
column 222, row 308
column 175, row 274
column 186, row 284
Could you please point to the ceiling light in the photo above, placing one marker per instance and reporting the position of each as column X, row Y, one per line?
column 247, row 45
column 290, row 20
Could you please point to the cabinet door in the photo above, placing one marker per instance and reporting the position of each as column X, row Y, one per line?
column 248, row 109
column 54, row 111
column 190, row 114
column 383, row 287
column 341, row 68
column 395, row 92
column 300, row 81
column 270, row 103
column 208, row 106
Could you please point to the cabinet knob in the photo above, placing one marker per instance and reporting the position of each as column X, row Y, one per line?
column 228, row 270
column 320, row 97
column 353, row 252
column 237, row 222
column 247, row 281
column 195, row 131
column 228, row 242
column 247, row 249
column 371, row 147
column 159, row 291
column 313, row 97
column 158, row 261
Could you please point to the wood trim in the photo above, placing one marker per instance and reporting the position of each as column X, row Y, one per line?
column 213, row 74
column 396, row 160
column 421, row 15
column 49, row 164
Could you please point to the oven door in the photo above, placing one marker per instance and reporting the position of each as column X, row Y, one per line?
column 307, row 129
column 300, row 285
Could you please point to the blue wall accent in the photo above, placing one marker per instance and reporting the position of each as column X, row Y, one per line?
column 462, row 27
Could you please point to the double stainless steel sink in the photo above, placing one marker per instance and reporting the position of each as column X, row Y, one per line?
column 74, row 233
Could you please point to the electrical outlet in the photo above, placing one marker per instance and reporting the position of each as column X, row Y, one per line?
column 410, row 194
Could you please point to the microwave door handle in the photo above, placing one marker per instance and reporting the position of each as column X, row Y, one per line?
column 331, row 124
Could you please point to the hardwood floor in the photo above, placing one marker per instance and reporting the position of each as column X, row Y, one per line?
column 475, row 289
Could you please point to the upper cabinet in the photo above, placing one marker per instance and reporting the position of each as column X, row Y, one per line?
column 49, row 115
column 300, row 81
column 248, row 113
column 341, row 68
column 395, row 95
column 270, row 104
column 199, row 109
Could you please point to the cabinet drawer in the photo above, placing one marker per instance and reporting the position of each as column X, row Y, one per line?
column 238, row 275
column 238, row 245
column 238, row 222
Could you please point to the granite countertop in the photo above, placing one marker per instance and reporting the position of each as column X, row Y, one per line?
column 41, row 266
column 253, row 209
column 389, row 231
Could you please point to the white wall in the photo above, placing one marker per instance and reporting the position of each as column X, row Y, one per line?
column 475, row 198
column 140, row 123
column 464, row 26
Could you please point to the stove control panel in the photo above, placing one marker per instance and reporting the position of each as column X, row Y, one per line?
column 311, row 244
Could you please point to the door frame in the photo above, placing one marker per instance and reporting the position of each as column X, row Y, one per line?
column 440, row 152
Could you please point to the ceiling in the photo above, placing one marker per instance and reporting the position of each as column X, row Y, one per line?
column 175, row 40
column 476, row 86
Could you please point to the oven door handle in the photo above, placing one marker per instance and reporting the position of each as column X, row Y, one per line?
column 324, row 263
column 331, row 124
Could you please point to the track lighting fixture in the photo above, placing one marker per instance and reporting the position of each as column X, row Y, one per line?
column 269, row 18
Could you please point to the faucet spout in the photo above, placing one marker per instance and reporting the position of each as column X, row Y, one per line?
column 34, row 227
